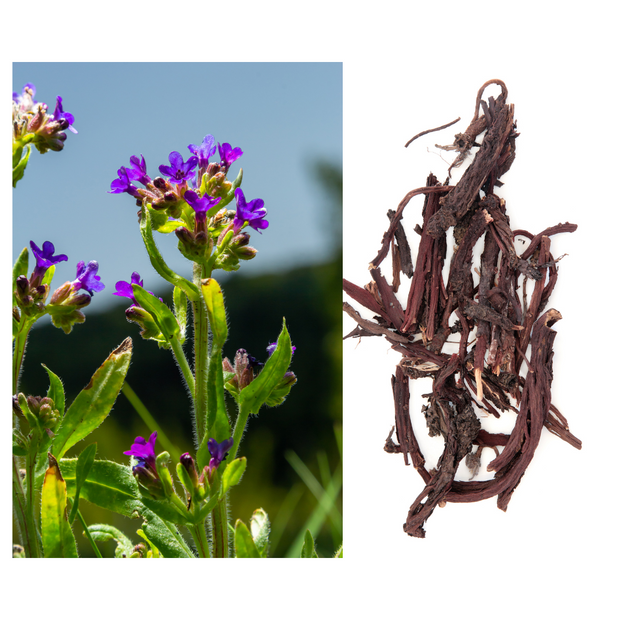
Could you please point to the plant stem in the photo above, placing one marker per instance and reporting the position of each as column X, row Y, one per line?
column 201, row 359
column 30, row 537
column 177, row 350
column 220, row 529
column 240, row 424
column 19, row 350
column 200, row 538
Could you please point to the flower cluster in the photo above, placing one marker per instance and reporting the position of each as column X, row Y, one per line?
column 146, row 471
column 64, row 307
column 246, row 368
column 191, row 197
column 33, row 123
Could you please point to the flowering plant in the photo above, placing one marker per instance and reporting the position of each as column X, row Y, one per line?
column 209, row 214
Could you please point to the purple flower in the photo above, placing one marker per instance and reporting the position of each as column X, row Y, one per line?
column 252, row 213
column 179, row 171
column 218, row 452
column 137, row 171
column 45, row 259
column 87, row 278
column 200, row 205
column 144, row 451
column 59, row 115
column 123, row 289
column 123, row 184
column 228, row 155
column 272, row 347
column 204, row 151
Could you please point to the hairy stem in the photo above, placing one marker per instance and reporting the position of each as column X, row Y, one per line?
column 19, row 350
column 201, row 359
column 220, row 529
column 30, row 537
column 177, row 350
column 200, row 538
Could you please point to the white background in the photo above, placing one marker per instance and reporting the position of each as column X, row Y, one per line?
column 407, row 69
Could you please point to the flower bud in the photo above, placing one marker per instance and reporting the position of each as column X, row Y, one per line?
column 61, row 294
column 139, row 551
column 150, row 330
column 43, row 409
column 244, row 365
column 36, row 121
column 150, row 481
column 240, row 248
column 161, row 183
column 218, row 186
column 188, row 475
column 196, row 247
column 161, row 464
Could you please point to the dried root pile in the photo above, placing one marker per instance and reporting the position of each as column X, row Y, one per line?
column 496, row 319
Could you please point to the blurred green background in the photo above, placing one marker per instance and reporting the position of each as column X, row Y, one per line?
column 294, row 451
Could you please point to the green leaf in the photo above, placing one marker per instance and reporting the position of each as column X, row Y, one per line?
column 93, row 404
column 245, row 547
column 19, row 450
column 21, row 266
column 109, row 485
column 164, row 510
column 56, row 391
column 179, row 299
column 162, row 315
column 112, row 486
column 102, row 532
column 84, row 464
column 214, row 300
column 165, row 537
column 20, row 167
column 232, row 474
column 56, row 535
column 340, row 552
column 157, row 260
column 260, row 527
column 169, row 226
column 49, row 275
column 258, row 392
column 308, row 550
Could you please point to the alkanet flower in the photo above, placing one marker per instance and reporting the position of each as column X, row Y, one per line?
column 144, row 452
column 252, row 212
column 87, row 279
column 204, row 151
column 145, row 469
column 123, row 184
column 179, row 171
column 60, row 115
column 218, row 452
column 137, row 171
column 228, row 155
column 45, row 259
column 124, row 289
column 200, row 205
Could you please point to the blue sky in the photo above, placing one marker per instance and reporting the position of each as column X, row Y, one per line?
column 284, row 116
